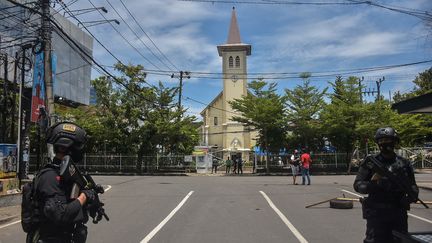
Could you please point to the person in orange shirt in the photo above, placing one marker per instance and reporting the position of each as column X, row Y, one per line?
column 305, row 161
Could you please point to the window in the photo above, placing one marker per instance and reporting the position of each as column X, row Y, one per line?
column 230, row 62
column 215, row 121
column 237, row 62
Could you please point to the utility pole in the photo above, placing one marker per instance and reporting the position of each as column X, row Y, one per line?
column 185, row 74
column 360, row 88
column 378, row 83
column 46, row 38
column 46, row 42
column 5, row 97
column 21, row 119
column 180, row 89
column 14, row 87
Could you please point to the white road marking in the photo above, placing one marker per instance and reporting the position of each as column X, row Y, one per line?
column 284, row 219
column 418, row 217
column 161, row 224
column 108, row 188
column 6, row 225
column 409, row 214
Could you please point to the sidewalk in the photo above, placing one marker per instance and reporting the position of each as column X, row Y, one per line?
column 9, row 214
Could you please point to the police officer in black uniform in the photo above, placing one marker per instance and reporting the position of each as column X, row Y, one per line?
column 62, row 218
column 385, row 208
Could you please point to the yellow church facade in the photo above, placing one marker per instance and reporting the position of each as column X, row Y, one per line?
column 227, row 137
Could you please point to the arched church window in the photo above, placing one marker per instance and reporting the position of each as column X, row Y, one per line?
column 215, row 121
column 237, row 62
column 230, row 62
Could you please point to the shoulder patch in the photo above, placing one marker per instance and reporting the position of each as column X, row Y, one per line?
column 69, row 127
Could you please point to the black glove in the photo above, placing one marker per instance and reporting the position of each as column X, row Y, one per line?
column 90, row 195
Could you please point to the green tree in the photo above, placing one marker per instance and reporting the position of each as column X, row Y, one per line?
column 263, row 109
column 304, row 103
column 145, row 117
column 423, row 85
column 340, row 117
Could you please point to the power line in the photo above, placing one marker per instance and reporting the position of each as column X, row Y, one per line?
column 139, row 25
column 208, row 105
column 136, row 35
column 120, row 34
column 64, row 35
column 424, row 15
column 275, row 2
column 296, row 74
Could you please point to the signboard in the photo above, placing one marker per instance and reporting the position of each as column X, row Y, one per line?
column 8, row 160
column 38, row 91
column 200, row 150
column 203, row 163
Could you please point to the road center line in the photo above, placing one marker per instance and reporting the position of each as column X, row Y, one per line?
column 6, row 225
column 284, row 219
column 409, row 214
column 161, row 224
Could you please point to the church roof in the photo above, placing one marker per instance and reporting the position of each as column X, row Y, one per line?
column 234, row 32
column 211, row 103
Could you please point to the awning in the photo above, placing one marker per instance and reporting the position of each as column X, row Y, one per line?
column 418, row 105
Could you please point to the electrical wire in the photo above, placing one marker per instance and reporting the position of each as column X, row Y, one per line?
column 120, row 34
column 275, row 2
column 208, row 105
column 139, row 25
column 136, row 35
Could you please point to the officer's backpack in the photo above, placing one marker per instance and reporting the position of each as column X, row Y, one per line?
column 30, row 215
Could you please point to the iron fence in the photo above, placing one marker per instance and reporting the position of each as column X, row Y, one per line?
column 326, row 162
column 118, row 163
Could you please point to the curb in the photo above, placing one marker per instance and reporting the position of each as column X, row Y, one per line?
column 10, row 200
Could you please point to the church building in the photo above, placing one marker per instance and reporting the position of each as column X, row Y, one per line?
column 227, row 137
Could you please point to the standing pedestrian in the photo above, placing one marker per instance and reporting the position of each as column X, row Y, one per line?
column 239, row 165
column 228, row 164
column 305, row 163
column 385, row 208
column 235, row 165
column 295, row 165
column 215, row 164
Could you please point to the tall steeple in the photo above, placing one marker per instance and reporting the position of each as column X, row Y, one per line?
column 234, row 32
column 234, row 41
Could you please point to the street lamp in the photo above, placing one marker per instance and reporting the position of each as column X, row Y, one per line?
column 86, row 10
column 98, row 22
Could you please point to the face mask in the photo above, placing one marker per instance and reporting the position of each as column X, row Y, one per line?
column 387, row 148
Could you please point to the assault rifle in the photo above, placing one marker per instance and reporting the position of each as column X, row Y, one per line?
column 380, row 169
column 83, row 181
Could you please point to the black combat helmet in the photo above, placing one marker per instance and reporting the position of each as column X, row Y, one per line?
column 70, row 136
column 386, row 132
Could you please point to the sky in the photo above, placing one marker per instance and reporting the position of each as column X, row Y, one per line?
column 285, row 38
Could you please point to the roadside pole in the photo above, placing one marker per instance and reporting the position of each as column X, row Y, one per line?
column 46, row 38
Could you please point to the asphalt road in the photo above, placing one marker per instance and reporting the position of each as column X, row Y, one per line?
column 229, row 209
